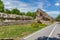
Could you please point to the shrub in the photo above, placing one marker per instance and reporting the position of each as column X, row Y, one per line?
column 43, row 25
column 35, row 25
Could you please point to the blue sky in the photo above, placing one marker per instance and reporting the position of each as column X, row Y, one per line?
column 52, row 7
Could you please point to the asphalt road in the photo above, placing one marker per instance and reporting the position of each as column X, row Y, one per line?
column 51, row 32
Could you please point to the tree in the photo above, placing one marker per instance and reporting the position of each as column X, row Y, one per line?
column 15, row 11
column 22, row 13
column 58, row 18
column 32, row 14
column 28, row 14
column 7, row 11
column 1, row 6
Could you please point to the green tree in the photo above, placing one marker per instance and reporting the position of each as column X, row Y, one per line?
column 32, row 14
column 1, row 6
column 22, row 13
column 7, row 11
column 28, row 14
column 58, row 18
column 15, row 11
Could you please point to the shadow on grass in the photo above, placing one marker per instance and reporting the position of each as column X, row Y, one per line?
column 50, row 38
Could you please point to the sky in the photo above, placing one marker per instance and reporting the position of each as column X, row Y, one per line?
column 51, row 7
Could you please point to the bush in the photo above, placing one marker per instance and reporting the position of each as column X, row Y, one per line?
column 35, row 25
column 43, row 25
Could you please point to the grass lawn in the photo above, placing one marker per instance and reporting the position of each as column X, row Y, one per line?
column 15, row 31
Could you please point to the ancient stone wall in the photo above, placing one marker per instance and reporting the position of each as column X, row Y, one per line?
column 18, row 22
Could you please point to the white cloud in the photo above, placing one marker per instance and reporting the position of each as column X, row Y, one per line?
column 7, row 3
column 40, row 5
column 23, row 6
column 57, row 4
column 53, row 12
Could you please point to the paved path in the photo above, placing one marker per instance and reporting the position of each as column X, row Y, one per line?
column 51, row 32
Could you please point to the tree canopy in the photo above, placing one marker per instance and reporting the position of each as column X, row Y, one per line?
column 1, row 6
column 58, row 18
column 32, row 14
column 15, row 11
column 7, row 11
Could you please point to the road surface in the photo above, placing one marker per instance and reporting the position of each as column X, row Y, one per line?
column 51, row 32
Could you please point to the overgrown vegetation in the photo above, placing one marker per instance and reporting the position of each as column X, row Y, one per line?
column 32, row 14
column 58, row 18
column 35, row 25
column 1, row 6
column 14, row 31
column 7, row 11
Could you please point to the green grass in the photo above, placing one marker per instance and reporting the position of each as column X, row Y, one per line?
column 15, row 31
